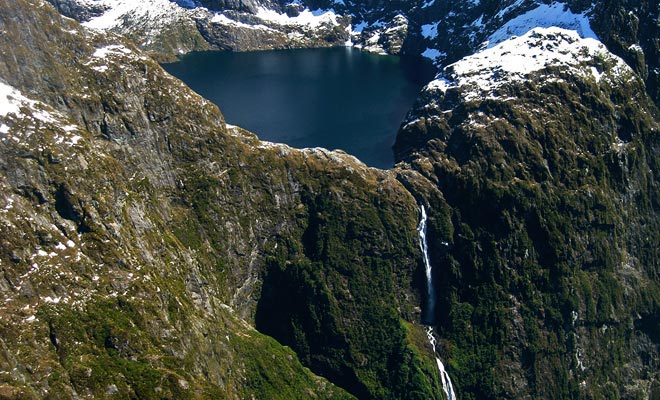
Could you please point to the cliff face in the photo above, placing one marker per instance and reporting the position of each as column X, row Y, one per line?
column 549, row 166
column 143, row 239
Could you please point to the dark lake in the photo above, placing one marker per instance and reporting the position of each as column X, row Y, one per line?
column 338, row 98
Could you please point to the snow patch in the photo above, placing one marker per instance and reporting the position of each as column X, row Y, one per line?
column 507, row 9
column 120, row 12
column 430, row 31
column 222, row 19
column 517, row 58
column 544, row 16
column 54, row 300
column 312, row 19
column 11, row 101
column 433, row 54
column 360, row 27
column 103, row 52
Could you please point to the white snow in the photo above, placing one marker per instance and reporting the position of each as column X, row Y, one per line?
column 518, row 57
column 428, row 3
column 433, row 54
column 54, row 300
column 11, row 100
column 509, row 8
column 544, row 16
column 372, row 44
column 154, row 12
column 479, row 22
column 103, row 52
column 430, row 31
column 43, row 116
column 222, row 19
column 359, row 27
column 312, row 19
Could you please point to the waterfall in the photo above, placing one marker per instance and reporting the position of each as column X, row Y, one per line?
column 430, row 304
column 430, row 291
column 444, row 376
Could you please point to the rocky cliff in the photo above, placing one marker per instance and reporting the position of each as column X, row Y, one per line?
column 545, row 146
column 150, row 250
column 143, row 240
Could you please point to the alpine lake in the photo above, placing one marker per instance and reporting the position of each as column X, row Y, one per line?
column 337, row 98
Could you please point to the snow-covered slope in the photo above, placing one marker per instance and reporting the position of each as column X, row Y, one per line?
column 449, row 31
column 21, row 117
column 168, row 28
column 480, row 75
column 544, row 16
column 546, row 37
column 153, row 13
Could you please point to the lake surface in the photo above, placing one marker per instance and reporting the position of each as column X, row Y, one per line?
column 338, row 98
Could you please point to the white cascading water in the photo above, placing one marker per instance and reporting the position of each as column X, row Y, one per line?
column 444, row 376
column 430, row 309
column 430, row 291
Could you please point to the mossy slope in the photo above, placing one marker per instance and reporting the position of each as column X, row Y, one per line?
column 549, row 282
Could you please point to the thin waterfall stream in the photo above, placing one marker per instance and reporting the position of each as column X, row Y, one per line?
column 430, row 304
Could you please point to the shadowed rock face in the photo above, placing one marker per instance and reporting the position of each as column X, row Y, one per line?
column 81, row 11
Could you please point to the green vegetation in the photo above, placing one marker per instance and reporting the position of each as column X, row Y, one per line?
column 136, row 262
column 554, row 221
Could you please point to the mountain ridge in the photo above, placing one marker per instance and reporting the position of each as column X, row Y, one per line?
column 144, row 239
column 404, row 27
